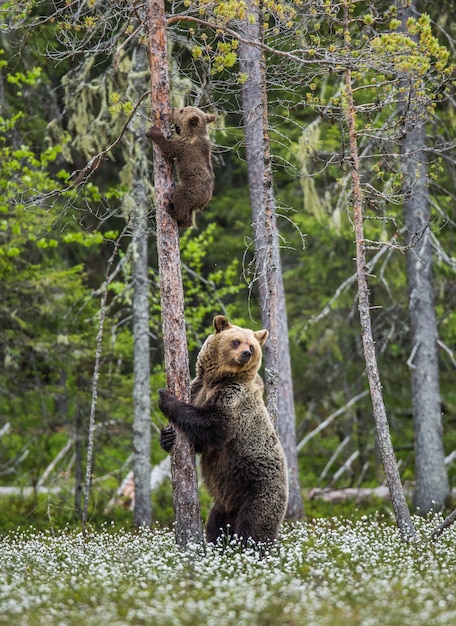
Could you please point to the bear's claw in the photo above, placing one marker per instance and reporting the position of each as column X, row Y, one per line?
column 167, row 437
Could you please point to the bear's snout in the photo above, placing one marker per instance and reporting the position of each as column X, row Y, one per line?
column 245, row 356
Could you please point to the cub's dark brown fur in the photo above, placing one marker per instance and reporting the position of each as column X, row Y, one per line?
column 191, row 151
column 242, row 460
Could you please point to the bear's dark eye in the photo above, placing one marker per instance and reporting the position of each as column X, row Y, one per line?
column 252, row 349
column 236, row 343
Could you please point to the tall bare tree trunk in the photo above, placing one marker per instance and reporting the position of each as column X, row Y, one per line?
column 95, row 381
column 142, row 514
column 78, row 471
column 431, row 478
column 279, row 386
column 188, row 527
column 401, row 511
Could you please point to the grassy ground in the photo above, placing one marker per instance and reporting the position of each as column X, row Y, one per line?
column 330, row 572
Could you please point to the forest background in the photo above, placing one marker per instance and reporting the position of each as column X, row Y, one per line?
column 72, row 75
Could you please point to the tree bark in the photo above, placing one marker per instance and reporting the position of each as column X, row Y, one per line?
column 95, row 380
column 78, row 471
column 142, row 514
column 401, row 511
column 188, row 526
column 279, row 386
column 431, row 479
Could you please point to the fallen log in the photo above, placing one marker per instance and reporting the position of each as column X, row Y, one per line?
column 358, row 494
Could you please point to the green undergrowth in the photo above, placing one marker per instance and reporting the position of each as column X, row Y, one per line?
column 56, row 511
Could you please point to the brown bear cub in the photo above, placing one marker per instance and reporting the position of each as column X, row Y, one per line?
column 242, row 460
column 191, row 151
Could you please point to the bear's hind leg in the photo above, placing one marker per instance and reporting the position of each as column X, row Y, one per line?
column 218, row 524
column 182, row 206
column 256, row 521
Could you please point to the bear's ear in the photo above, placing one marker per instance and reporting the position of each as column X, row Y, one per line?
column 210, row 118
column 193, row 120
column 261, row 336
column 221, row 323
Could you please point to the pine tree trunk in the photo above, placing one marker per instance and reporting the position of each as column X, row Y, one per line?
column 279, row 386
column 141, row 390
column 142, row 514
column 431, row 478
column 188, row 526
column 401, row 511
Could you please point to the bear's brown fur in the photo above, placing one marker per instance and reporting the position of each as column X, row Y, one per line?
column 242, row 460
column 191, row 151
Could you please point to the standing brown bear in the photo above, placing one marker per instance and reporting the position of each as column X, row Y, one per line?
column 191, row 151
column 242, row 460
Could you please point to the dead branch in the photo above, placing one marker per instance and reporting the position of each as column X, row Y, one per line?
column 95, row 162
column 125, row 494
column 345, row 467
column 331, row 418
column 447, row 522
column 82, row 176
column 325, row 60
column 50, row 468
column 336, row 496
column 349, row 282
column 334, row 456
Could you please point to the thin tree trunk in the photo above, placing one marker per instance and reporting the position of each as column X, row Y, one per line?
column 279, row 386
column 95, row 380
column 431, row 479
column 78, row 472
column 188, row 526
column 401, row 511
column 142, row 515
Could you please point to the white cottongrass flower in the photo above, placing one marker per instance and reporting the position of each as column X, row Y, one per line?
column 329, row 572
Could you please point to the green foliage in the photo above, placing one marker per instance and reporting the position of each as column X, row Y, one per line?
column 48, row 312
column 208, row 289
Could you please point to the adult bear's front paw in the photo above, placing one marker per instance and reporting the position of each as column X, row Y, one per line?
column 167, row 437
column 154, row 133
column 167, row 401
